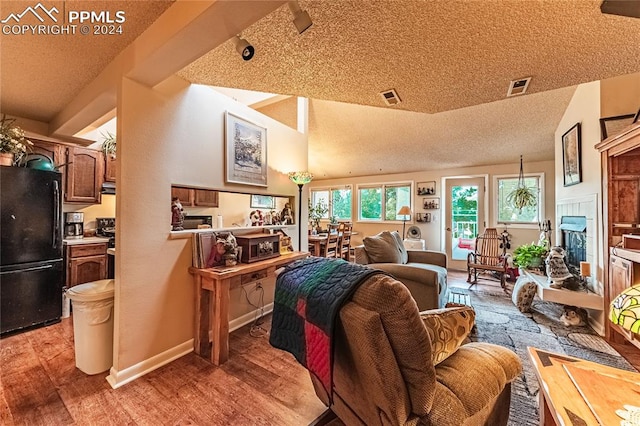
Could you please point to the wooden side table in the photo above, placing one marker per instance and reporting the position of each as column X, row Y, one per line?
column 560, row 400
column 212, row 300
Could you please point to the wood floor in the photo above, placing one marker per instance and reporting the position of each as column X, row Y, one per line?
column 259, row 385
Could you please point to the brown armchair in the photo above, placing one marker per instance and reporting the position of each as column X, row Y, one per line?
column 423, row 272
column 383, row 373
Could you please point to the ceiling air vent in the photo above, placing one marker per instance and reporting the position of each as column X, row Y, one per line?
column 518, row 87
column 390, row 97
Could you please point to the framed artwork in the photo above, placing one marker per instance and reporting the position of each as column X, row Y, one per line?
column 423, row 217
column 431, row 203
column 612, row 125
column 637, row 117
column 263, row 202
column 246, row 152
column 426, row 188
column 571, row 156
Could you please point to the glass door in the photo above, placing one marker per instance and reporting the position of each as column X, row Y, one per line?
column 465, row 218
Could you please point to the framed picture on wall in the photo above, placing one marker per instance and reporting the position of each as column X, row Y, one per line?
column 263, row 202
column 426, row 188
column 431, row 203
column 571, row 160
column 246, row 152
column 612, row 125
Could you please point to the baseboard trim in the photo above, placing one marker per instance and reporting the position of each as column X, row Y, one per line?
column 248, row 318
column 119, row 378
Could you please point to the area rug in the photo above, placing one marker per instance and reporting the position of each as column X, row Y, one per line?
column 499, row 321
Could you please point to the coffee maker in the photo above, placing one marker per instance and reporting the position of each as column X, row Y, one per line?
column 73, row 225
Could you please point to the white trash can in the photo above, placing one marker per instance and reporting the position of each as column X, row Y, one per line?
column 93, row 325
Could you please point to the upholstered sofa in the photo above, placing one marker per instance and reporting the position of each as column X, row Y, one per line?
column 424, row 273
column 396, row 366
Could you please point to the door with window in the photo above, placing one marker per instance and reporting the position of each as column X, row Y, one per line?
column 465, row 218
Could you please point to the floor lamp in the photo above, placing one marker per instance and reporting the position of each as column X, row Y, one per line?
column 300, row 179
column 404, row 212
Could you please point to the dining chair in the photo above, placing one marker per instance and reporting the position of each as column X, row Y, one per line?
column 331, row 248
column 345, row 231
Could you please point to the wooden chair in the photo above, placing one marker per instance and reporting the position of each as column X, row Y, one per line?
column 345, row 240
column 330, row 247
column 489, row 255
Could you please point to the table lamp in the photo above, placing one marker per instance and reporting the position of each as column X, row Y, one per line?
column 300, row 179
column 404, row 212
column 625, row 309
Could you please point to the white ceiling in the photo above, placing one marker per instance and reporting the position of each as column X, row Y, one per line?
column 450, row 62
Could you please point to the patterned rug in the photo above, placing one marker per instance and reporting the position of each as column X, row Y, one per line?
column 499, row 321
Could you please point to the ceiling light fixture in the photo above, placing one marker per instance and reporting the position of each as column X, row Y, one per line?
column 244, row 48
column 301, row 18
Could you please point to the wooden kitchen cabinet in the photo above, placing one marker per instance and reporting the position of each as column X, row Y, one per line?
column 85, row 175
column 53, row 150
column 190, row 197
column 205, row 198
column 85, row 263
column 623, row 273
column 109, row 168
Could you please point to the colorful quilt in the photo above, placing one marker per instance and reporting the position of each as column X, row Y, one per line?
column 308, row 297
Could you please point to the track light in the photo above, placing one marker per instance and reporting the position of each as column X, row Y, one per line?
column 244, row 48
column 301, row 18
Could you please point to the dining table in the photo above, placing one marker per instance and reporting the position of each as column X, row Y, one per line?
column 316, row 241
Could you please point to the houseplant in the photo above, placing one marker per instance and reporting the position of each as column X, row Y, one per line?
column 522, row 196
column 109, row 144
column 316, row 213
column 13, row 144
column 530, row 256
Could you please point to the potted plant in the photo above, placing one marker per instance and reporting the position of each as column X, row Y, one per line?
column 109, row 144
column 529, row 256
column 13, row 144
column 316, row 213
column 522, row 196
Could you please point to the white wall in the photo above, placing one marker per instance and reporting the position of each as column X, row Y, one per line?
column 173, row 134
column 432, row 232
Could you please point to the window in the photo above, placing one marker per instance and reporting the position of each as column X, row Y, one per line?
column 382, row 202
column 508, row 214
column 337, row 199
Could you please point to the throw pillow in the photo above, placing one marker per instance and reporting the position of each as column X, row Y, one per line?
column 382, row 248
column 404, row 256
column 447, row 328
column 523, row 293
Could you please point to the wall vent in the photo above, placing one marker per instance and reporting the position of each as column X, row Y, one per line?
column 518, row 87
column 390, row 97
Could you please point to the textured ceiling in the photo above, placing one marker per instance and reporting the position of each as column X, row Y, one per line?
column 451, row 64
column 41, row 73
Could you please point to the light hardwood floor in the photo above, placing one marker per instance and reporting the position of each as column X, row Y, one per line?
column 259, row 385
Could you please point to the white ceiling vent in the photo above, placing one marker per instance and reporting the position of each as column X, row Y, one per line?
column 518, row 87
column 390, row 97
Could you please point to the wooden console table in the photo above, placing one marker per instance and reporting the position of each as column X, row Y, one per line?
column 561, row 403
column 212, row 300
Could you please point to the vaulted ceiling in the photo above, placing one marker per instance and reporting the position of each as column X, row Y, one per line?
column 450, row 62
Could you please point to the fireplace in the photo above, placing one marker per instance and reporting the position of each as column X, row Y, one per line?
column 574, row 241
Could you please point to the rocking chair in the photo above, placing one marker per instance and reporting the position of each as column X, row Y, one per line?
column 489, row 255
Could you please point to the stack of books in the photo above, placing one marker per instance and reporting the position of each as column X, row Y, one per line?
column 202, row 243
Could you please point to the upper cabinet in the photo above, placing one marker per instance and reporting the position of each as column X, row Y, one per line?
column 82, row 169
column 109, row 168
column 190, row 197
column 85, row 175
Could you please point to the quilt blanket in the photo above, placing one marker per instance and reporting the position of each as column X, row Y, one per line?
column 308, row 297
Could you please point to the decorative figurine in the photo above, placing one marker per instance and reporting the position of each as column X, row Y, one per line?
column 224, row 252
column 177, row 214
column 557, row 270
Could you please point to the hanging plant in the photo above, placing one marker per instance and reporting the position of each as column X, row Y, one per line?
column 522, row 196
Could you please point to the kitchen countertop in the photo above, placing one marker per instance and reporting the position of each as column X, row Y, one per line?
column 85, row 240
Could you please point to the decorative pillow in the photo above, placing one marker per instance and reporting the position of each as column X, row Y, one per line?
column 447, row 328
column 523, row 293
column 382, row 248
column 404, row 256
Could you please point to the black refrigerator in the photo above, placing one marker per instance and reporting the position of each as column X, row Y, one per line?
column 31, row 265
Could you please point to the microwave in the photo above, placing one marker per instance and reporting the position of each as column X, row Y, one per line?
column 193, row 222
